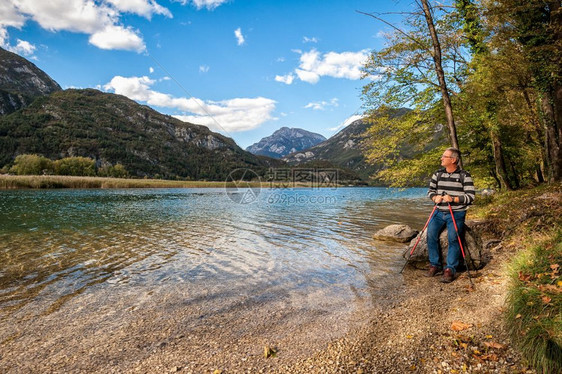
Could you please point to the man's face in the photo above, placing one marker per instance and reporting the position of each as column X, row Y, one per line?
column 447, row 159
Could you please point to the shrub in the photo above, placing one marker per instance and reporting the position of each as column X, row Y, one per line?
column 79, row 166
column 32, row 165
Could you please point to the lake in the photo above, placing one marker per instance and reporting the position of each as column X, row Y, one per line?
column 99, row 278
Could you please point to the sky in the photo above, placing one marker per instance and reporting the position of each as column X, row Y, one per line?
column 244, row 68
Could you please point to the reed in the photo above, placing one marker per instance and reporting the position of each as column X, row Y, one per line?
column 61, row 181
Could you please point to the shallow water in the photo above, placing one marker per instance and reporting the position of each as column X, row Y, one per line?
column 79, row 252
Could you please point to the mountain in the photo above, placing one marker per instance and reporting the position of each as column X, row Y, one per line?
column 284, row 141
column 21, row 82
column 114, row 129
column 342, row 149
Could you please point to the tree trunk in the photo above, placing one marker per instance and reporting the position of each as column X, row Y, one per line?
column 441, row 76
column 501, row 170
column 552, row 137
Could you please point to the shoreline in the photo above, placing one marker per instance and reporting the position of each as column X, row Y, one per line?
column 27, row 182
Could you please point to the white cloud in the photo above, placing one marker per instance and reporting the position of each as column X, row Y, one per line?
column 322, row 105
column 287, row 79
column 98, row 19
column 306, row 39
column 209, row 4
column 145, row 8
column 313, row 65
column 151, row 70
column 346, row 123
column 239, row 37
column 232, row 115
column 204, row 68
column 22, row 48
column 118, row 37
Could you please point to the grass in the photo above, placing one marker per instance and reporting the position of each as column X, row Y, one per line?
column 534, row 313
column 59, row 181
column 529, row 223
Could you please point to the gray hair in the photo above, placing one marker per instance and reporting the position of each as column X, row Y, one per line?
column 455, row 153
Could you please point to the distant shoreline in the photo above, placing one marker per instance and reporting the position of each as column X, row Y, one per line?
column 14, row 182
column 34, row 182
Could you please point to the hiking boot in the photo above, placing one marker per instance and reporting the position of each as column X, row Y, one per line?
column 433, row 270
column 448, row 276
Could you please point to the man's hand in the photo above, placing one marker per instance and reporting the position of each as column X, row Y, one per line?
column 442, row 198
column 447, row 199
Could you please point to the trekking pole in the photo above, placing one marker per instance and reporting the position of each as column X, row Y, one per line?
column 460, row 243
column 419, row 237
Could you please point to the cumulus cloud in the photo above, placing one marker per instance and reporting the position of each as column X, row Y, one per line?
column 306, row 39
column 118, row 37
column 209, row 4
column 347, row 122
column 145, row 8
column 239, row 37
column 314, row 65
column 231, row 115
column 22, row 48
column 287, row 79
column 97, row 19
column 151, row 70
column 322, row 105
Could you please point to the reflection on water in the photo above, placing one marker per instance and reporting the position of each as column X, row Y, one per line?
column 57, row 245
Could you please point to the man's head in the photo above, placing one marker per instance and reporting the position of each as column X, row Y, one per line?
column 450, row 158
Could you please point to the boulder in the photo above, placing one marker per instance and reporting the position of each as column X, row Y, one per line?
column 476, row 255
column 396, row 233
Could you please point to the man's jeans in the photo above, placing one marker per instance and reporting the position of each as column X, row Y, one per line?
column 438, row 221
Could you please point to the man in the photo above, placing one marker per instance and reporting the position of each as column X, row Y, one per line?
column 449, row 185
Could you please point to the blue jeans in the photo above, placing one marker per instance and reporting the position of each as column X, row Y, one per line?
column 438, row 221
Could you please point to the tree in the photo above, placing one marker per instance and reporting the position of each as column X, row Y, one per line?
column 31, row 165
column 437, row 59
column 537, row 26
column 421, row 66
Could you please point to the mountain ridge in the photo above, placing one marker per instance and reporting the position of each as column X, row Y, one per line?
column 21, row 82
column 285, row 141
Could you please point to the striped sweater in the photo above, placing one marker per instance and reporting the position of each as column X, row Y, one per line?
column 452, row 184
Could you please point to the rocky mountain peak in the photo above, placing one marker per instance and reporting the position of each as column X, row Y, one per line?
column 285, row 141
column 21, row 82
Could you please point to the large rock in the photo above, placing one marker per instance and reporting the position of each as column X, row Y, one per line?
column 476, row 255
column 396, row 233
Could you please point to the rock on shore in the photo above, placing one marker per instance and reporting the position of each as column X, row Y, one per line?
column 476, row 255
column 396, row 233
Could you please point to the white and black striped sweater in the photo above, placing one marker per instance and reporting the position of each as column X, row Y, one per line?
column 458, row 183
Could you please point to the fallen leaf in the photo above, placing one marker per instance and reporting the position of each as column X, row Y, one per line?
column 518, row 316
column 555, row 267
column 494, row 345
column 489, row 336
column 546, row 299
column 409, row 336
column 460, row 326
column 559, row 283
column 269, row 352
column 524, row 277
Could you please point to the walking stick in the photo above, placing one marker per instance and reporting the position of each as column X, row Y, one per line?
column 460, row 243
column 419, row 237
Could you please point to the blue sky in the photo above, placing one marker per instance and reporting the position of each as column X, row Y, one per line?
column 244, row 68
